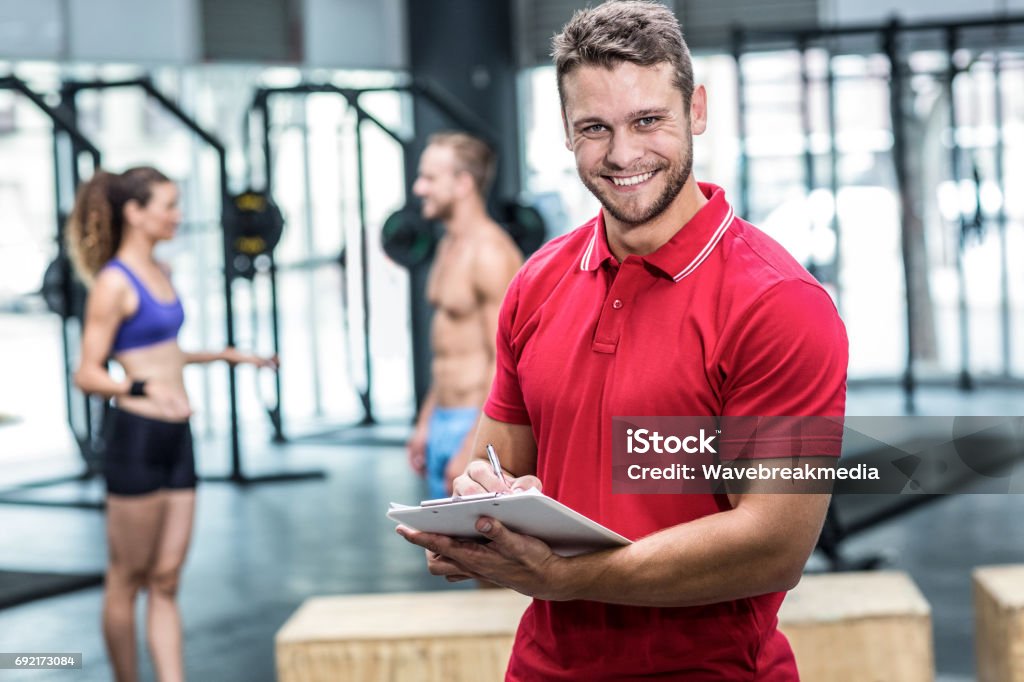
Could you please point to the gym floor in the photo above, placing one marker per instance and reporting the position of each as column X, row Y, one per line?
column 260, row 550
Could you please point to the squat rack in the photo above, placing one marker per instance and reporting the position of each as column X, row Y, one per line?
column 73, row 296
column 69, row 92
column 837, row 529
column 446, row 105
column 747, row 40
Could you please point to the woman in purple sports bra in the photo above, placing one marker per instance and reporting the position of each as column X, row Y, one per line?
column 133, row 315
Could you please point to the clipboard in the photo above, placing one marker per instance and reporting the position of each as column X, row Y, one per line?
column 530, row 512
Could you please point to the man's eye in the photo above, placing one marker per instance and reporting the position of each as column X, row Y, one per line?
column 647, row 121
column 596, row 128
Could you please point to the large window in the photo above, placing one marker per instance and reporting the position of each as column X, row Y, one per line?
column 321, row 312
column 852, row 241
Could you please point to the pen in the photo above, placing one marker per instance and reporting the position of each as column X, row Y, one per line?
column 495, row 464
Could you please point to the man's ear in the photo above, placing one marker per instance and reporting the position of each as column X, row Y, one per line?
column 699, row 110
column 464, row 183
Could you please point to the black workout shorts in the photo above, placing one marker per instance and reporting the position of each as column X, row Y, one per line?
column 143, row 455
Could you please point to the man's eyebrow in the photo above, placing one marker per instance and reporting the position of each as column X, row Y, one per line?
column 631, row 116
column 587, row 121
column 644, row 113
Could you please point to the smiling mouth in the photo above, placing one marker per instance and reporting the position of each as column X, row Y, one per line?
column 630, row 180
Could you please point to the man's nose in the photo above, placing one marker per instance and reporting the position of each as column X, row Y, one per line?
column 418, row 188
column 624, row 150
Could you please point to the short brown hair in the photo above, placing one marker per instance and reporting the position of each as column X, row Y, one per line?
column 636, row 31
column 472, row 155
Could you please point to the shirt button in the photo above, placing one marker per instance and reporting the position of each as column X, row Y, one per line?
column 616, row 304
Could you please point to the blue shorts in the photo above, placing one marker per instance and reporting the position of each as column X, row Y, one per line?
column 446, row 433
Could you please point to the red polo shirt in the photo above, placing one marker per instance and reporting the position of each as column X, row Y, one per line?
column 719, row 321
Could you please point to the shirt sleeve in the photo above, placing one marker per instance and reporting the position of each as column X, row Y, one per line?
column 788, row 356
column 505, row 401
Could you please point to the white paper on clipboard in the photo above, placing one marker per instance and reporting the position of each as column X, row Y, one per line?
column 530, row 512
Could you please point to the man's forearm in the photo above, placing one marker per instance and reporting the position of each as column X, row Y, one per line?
column 716, row 558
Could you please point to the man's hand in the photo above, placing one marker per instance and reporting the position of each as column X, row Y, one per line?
column 480, row 478
column 514, row 570
column 519, row 562
column 417, row 449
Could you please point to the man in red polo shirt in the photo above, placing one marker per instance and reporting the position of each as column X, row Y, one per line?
column 666, row 303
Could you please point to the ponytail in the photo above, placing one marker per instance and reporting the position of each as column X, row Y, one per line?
column 92, row 235
column 96, row 224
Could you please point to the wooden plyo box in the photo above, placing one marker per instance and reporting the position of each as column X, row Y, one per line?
column 451, row 636
column 858, row 627
column 999, row 623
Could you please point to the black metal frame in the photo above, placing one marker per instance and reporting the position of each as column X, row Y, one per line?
column 748, row 40
column 69, row 92
column 62, row 124
column 437, row 97
column 836, row 530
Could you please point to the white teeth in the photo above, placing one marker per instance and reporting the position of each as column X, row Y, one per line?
column 633, row 180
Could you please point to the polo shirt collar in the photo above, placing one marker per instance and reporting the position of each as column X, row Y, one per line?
column 685, row 251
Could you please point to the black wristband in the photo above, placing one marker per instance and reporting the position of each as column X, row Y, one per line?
column 138, row 388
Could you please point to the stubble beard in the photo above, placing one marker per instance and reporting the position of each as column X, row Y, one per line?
column 675, row 180
column 441, row 213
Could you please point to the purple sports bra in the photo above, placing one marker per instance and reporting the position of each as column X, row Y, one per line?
column 153, row 322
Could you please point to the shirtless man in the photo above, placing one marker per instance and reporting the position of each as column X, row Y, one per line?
column 475, row 261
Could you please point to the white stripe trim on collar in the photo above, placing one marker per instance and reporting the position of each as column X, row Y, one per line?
column 708, row 248
column 590, row 249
